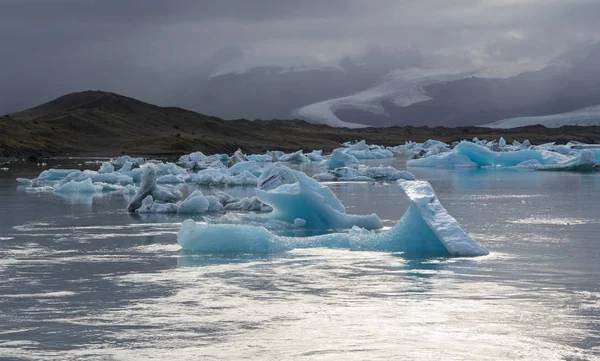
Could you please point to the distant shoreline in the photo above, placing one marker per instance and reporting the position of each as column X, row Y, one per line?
column 96, row 123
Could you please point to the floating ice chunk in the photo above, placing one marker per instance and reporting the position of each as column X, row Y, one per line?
column 51, row 175
column 445, row 160
column 228, row 238
column 149, row 187
column 316, row 156
column 426, row 229
column 225, row 198
column 447, row 230
column 24, row 181
column 248, row 166
column 194, row 203
column 169, row 168
column 172, row 178
column 307, row 199
column 387, row 173
column 485, row 158
column 467, row 154
column 364, row 174
column 150, row 206
column 85, row 186
column 584, row 162
column 248, row 204
column 39, row 189
column 192, row 157
column 238, row 156
column 275, row 175
column 114, row 178
column 296, row 157
column 121, row 161
column 107, row 167
column 261, row 158
column 126, row 167
column 502, row 142
column 199, row 203
column 339, row 159
column 361, row 150
column 344, row 174
column 222, row 177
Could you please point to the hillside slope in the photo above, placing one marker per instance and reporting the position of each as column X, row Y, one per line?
column 101, row 123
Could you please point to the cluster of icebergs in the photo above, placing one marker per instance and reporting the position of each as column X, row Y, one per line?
column 573, row 156
column 282, row 194
column 290, row 196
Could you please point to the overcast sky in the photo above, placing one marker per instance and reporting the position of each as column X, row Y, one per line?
column 50, row 47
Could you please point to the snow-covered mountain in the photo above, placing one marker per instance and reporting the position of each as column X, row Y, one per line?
column 400, row 88
column 414, row 97
column 589, row 116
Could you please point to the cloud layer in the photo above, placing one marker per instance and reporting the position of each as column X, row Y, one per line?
column 143, row 48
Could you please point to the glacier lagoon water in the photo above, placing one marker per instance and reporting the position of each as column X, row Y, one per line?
column 83, row 279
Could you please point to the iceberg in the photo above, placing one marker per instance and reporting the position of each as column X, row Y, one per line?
column 387, row 173
column 343, row 174
column 52, row 175
column 361, row 150
column 248, row 166
column 222, row 177
column 423, row 150
column 149, row 187
column 316, row 156
column 363, row 174
column 248, row 204
column 275, row 175
column 195, row 203
column 172, row 178
column 292, row 194
column 426, row 229
column 467, row 154
column 107, row 167
column 338, row 159
column 85, row 186
column 445, row 160
column 584, row 162
column 296, row 157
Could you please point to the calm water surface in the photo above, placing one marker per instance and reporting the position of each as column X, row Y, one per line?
column 81, row 279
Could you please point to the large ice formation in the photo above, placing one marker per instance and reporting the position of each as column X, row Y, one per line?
column 426, row 229
column 339, row 158
column 292, row 194
column 149, row 187
column 467, row 154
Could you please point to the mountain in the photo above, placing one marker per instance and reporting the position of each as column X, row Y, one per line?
column 569, row 82
column 108, row 124
column 586, row 117
column 274, row 92
column 104, row 123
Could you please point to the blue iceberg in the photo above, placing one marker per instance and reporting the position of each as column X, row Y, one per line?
column 426, row 229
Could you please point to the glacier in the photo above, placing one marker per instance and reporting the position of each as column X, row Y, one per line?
column 400, row 87
column 426, row 229
column 587, row 117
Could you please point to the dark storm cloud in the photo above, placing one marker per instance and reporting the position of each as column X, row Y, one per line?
column 144, row 47
column 173, row 10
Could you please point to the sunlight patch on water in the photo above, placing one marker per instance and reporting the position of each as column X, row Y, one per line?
column 552, row 221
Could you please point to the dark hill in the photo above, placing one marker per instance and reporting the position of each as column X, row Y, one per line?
column 101, row 123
